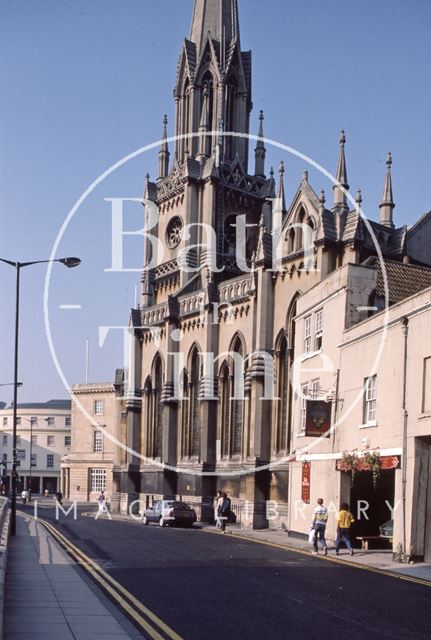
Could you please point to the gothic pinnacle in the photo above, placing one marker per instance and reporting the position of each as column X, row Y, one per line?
column 342, row 185
column 387, row 204
column 260, row 151
column 164, row 154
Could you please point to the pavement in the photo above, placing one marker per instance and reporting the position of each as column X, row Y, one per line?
column 47, row 596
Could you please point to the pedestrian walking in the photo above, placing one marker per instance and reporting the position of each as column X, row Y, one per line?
column 24, row 496
column 344, row 522
column 102, row 502
column 223, row 511
column 320, row 519
column 217, row 502
column 59, row 497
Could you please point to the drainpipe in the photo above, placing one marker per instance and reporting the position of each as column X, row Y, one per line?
column 405, row 330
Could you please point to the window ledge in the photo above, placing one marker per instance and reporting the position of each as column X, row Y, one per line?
column 310, row 354
column 425, row 415
column 368, row 425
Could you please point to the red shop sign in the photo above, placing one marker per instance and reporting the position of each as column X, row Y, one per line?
column 306, row 482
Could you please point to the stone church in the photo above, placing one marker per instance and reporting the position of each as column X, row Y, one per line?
column 194, row 425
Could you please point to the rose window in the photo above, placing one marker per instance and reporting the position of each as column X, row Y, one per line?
column 174, row 233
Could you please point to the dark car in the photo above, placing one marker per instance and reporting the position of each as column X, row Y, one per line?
column 171, row 512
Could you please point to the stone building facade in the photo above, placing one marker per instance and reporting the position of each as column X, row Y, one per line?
column 194, row 425
column 96, row 419
column 377, row 375
column 43, row 438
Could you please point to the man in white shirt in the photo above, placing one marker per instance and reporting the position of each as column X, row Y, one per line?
column 320, row 518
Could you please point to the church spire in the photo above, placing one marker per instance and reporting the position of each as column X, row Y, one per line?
column 224, row 71
column 387, row 204
column 219, row 18
column 260, row 151
column 340, row 198
column 164, row 151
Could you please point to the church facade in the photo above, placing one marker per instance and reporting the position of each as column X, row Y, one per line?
column 209, row 401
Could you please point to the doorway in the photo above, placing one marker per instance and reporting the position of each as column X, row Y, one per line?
column 371, row 505
column 421, row 511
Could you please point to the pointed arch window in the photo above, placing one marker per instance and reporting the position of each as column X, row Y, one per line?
column 156, row 413
column 185, row 417
column 291, row 241
column 225, row 408
column 299, row 230
column 282, row 393
column 207, row 88
column 230, row 116
column 148, row 395
column 195, row 425
column 237, row 415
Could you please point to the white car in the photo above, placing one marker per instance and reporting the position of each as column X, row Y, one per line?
column 165, row 512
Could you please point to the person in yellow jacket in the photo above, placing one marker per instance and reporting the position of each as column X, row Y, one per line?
column 344, row 522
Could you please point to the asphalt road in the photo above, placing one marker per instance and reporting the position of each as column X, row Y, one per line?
column 214, row 587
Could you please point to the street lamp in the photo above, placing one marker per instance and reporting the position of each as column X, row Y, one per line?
column 69, row 263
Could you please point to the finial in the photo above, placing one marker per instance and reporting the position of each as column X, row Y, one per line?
column 281, row 169
column 271, row 173
column 305, row 176
column 359, row 198
column 322, row 198
column 147, row 177
column 342, row 137
column 389, row 160
column 261, row 115
column 165, row 120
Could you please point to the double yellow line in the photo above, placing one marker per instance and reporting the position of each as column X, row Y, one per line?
column 144, row 618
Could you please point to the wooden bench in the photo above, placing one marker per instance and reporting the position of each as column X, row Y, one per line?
column 366, row 539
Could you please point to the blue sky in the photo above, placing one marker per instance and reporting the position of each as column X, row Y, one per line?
column 83, row 84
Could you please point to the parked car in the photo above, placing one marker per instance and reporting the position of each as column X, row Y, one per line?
column 171, row 512
column 387, row 529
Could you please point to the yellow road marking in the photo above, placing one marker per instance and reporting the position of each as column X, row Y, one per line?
column 106, row 581
column 354, row 565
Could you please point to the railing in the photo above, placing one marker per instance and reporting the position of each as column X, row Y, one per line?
column 3, row 524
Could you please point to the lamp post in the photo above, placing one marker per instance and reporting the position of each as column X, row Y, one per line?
column 69, row 263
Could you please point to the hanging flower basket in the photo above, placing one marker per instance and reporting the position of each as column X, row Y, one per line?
column 350, row 462
column 355, row 461
column 371, row 462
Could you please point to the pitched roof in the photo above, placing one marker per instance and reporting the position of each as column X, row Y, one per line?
column 328, row 224
column 404, row 280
